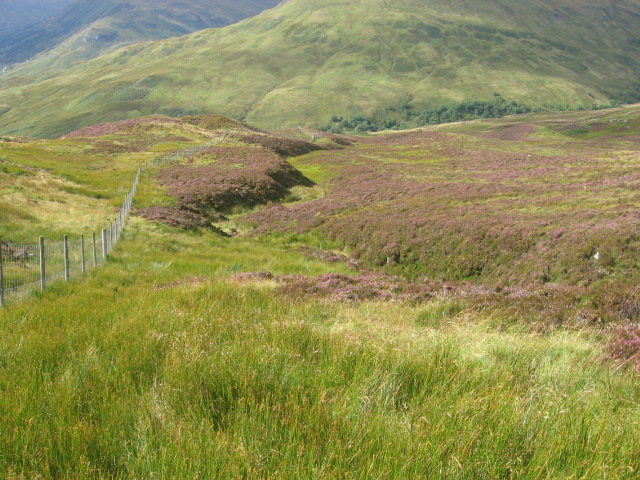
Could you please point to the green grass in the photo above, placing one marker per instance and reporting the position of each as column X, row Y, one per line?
column 87, row 29
column 342, row 58
column 158, row 364
column 59, row 190
column 162, row 364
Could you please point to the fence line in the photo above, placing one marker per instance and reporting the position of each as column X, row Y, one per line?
column 28, row 267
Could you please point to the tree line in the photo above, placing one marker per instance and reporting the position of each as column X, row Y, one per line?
column 406, row 117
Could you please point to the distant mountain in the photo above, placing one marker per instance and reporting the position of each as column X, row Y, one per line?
column 307, row 60
column 83, row 29
column 17, row 15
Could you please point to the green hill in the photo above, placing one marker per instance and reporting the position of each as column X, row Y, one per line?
column 306, row 60
column 86, row 29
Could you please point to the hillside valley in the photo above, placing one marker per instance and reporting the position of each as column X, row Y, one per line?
column 320, row 239
column 305, row 61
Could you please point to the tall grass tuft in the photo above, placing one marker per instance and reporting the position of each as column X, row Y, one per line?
column 160, row 366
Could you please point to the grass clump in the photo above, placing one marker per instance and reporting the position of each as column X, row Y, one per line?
column 179, row 370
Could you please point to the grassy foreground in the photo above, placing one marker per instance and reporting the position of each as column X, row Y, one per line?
column 164, row 363
column 159, row 365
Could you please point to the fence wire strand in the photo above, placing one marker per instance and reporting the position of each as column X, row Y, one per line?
column 21, row 265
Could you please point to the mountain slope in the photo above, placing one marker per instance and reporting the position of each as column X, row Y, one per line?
column 306, row 60
column 16, row 15
column 87, row 28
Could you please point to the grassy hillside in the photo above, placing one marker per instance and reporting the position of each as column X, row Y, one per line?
column 86, row 29
column 200, row 355
column 307, row 60
column 72, row 184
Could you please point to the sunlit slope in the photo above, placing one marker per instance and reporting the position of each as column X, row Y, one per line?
column 76, row 184
column 306, row 60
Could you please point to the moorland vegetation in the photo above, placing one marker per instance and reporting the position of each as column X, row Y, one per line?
column 423, row 304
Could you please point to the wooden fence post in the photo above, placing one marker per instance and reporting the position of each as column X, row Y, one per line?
column 84, row 260
column 109, row 238
column 43, row 267
column 1, row 281
column 95, row 253
column 66, row 258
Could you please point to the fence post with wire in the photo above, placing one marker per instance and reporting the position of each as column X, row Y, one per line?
column 25, row 268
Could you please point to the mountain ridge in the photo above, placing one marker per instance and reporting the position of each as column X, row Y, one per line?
column 85, row 29
column 301, row 62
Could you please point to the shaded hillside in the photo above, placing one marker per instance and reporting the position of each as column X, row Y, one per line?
column 18, row 15
column 307, row 60
column 86, row 28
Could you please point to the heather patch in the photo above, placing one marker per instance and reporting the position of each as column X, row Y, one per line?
column 365, row 286
column 284, row 147
column 460, row 206
column 216, row 122
column 133, row 125
column 512, row 132
column 218, row 179
column 541, row 307
column 180, row 217
column 319, row 138
column 354, row 188
column 624, row 345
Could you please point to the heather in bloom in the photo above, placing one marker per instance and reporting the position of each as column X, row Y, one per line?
column 503, row 206
column 624, row 345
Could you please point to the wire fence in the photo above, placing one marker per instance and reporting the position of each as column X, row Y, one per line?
column 29, row 267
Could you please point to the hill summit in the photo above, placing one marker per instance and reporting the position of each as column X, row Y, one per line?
column 307, row 60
